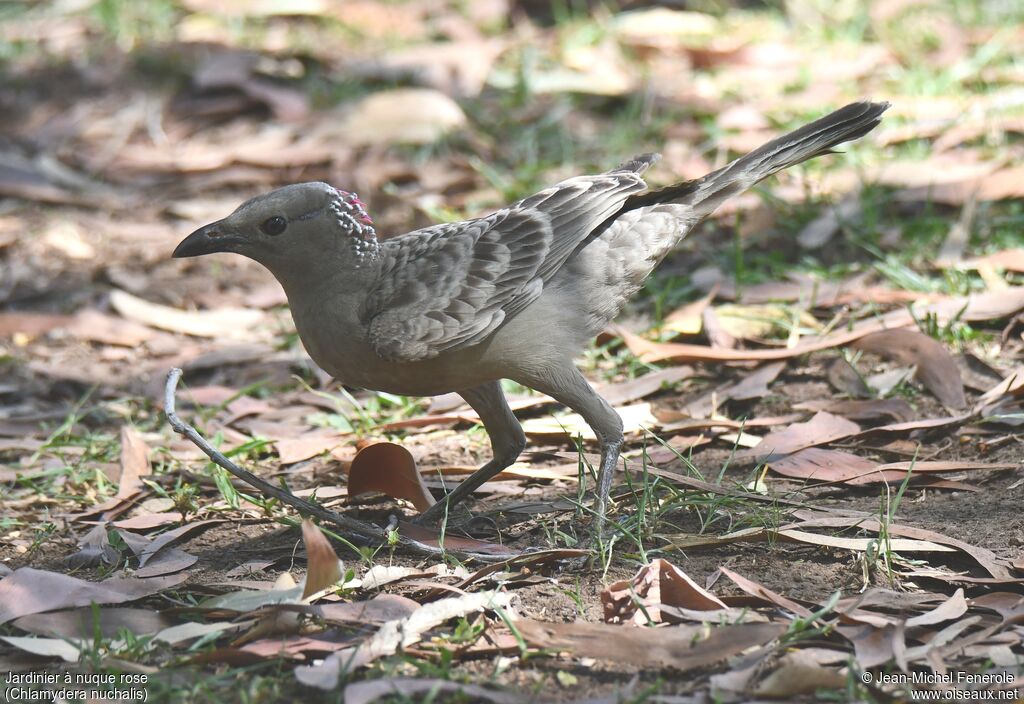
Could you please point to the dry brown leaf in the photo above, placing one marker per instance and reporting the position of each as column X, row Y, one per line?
column 379, row 609
column 953, row 607
column 147, row 521
column 231, row 323
column 822, row 465
column 323, row 568
column 820, row 231
column 94, row 549
column 30, row 324
column 432, row 537
column 986, row 306
column 1012, row 385
column 869, row 409
column 643, row 386
column 82, row 623
column 834, row 466
column 169, row 561
column 844, row 377
column 936, row 367
column 993, row 564
column 235, row 70
column 401, row 115
column 151, row 548
column 718, row 334
column 635, row 418
column 752, row 386
column 523, row 562
column 677, row 647
column 457, row 68
column 134, row 462
column 984, row 186
column 755, row 384
column 390, row 469
column 762, row 592
column 687, row 319
column 93, row 326
column 306, row 446
column 821, row 429
column 759, row 321
column 1008, row 259
column 927, row 424
column 658, row 584
column 757, row 535
column 31, row 591
column 798, row 675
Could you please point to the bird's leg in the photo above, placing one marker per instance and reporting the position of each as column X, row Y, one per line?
column 568, row 386
column 507, row 443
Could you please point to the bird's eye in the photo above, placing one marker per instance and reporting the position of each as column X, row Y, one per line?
column 274, row 226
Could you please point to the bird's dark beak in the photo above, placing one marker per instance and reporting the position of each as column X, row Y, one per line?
column 206, row 240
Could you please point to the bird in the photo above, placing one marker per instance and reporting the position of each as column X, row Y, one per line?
column 516, row 294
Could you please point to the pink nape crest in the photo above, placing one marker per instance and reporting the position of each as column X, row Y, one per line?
column 355, row 205
column 351, row 216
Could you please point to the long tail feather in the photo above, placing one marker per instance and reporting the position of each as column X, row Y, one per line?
column 814, row 139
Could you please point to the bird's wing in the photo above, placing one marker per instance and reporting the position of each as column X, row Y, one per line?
column 451, row 285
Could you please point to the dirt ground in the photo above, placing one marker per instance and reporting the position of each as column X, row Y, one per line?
column 129, row 125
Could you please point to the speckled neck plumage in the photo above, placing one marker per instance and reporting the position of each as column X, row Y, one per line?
column 355, row 222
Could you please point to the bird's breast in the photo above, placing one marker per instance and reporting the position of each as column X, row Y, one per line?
column 339, row 345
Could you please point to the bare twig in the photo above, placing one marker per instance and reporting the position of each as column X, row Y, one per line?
column 358, row 531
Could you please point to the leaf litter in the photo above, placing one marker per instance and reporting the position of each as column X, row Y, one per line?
column 97, row 305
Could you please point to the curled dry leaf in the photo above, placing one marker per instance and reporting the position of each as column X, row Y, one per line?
column 936, row 367
column 660, row 583
column 323, row 566
column 93, row 550
column 151, row 548
column 388, row 468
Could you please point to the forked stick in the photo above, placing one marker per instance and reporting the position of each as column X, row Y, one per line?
column 358, row 531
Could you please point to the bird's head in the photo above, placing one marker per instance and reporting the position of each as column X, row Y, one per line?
column 291, row 229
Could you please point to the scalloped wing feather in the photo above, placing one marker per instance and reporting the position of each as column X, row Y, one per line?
column 450, row 286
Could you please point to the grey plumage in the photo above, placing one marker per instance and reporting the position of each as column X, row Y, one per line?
column 450, row 286
column 515, row 294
